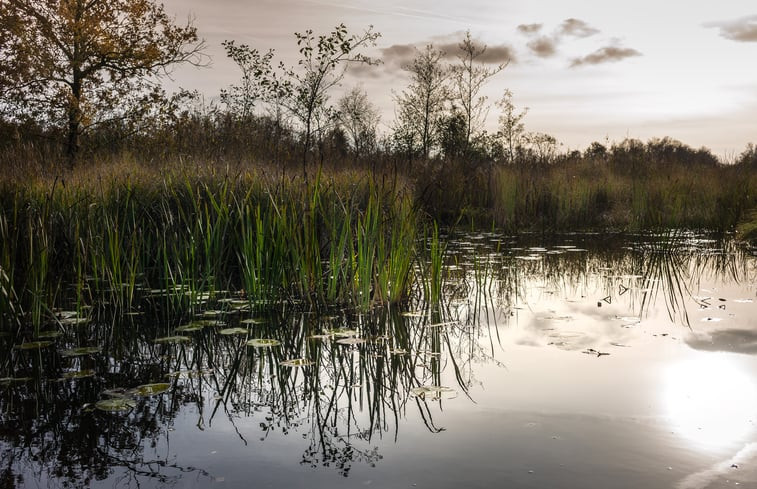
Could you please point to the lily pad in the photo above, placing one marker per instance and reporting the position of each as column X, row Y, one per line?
column 351, row 341
column 117, row 392
column 441, row 325
column 8, row 381
column 193, row 326
column 296, row 362
column 115, row 405
column 233, row 331
column 81, row 374
column 34, row 345
column 173, row 339
column 413, row 314
column 253, row 321
column 75, row 321
column 148, row 390
column 343, row 333
column 81, row 351
column 434, row 392
column 50, row 334
column 263, row 342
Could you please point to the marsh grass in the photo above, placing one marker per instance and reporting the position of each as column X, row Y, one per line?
column 179, row 237
column 587, row 194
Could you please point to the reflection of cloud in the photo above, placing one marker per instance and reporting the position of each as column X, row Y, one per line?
column 529, row 29
column 577, row 28
column 730, row 340
column 743, row 29
column 543, row 47
column 606, row 54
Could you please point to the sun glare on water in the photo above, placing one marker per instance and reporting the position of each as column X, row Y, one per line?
column 710, row 401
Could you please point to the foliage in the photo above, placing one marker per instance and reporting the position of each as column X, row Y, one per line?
column 78, row 63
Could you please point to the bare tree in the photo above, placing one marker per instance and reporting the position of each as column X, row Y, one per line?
column 359, row 119
column 421, row 105
column 468, row 78
column 511, row 127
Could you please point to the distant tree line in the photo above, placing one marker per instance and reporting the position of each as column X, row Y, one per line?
column 82, row 77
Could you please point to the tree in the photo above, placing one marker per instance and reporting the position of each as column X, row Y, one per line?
column 422, row 104
column 359, row 119
column 76, row 63
column 511, row 127
column 256, row 75
column 468, row 78
column 325, row 59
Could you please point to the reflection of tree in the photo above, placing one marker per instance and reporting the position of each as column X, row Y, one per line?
column 48, row 434
column 350, row 397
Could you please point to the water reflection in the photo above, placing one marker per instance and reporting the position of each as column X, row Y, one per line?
column 337, row 388
column 710, row 400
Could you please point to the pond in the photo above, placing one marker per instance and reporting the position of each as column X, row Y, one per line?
column 584, row 361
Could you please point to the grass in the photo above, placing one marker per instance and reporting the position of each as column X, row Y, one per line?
column 177, row 236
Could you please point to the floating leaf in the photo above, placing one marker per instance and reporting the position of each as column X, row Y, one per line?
column 193, row 326
column 351, row 341
column 117, row 392
column 319, row 336
column 50, row 334
column 115, row 405
column 34, row 345
column 81, row 374
column 343, row 333
column 253, row 321
column 148, row 390
column 434, row 392
column 81, row 351
column 398, row 351
column 296, row 362
column 413, row 314
column 233, row 331
column 440, row 325
column 173, row 339
column 75, row 321
column 7, row 381
column 263, row 342
column 211, row 314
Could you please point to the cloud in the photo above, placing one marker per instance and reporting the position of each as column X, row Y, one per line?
column 493, row 55
column 577, row 28
column 743, row 29
column 730, row 340
column 605, row 55
column 399, row 55
column 543, row 47
column 529, row 29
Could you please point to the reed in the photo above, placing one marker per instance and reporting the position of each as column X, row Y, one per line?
column 186, row 237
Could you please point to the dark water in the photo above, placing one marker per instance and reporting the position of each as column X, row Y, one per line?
column 581, row 363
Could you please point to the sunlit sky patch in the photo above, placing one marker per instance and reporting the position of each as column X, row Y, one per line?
column 588, row 71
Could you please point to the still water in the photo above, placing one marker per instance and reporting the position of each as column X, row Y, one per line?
column 579, row 363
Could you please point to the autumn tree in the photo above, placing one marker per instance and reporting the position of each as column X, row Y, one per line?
column 469, row 76
column 74, row 64
column 421, row 105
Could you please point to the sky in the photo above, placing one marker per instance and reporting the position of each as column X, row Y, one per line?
column 587, row 70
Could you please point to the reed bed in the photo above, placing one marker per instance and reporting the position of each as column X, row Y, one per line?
column 183, row 235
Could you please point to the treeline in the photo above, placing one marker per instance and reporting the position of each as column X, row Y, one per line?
column 292, row 121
